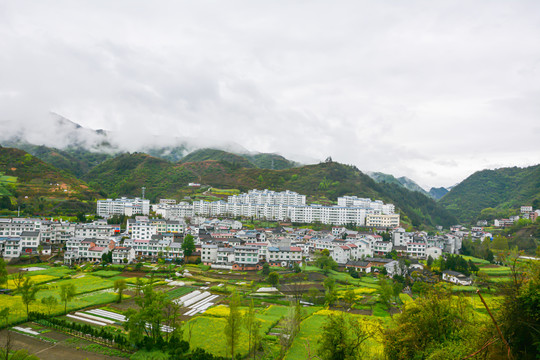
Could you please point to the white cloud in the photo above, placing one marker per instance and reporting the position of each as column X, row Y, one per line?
column 430, row 90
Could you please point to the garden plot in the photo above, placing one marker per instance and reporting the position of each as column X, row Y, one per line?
column 196, row 301
column 97, row 315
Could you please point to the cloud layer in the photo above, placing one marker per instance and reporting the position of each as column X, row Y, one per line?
column 430, row 90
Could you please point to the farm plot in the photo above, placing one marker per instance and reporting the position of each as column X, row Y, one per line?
column 311, row 330
column 196, row 301
column 102, row 317
column 494, row 270
column 208, row 328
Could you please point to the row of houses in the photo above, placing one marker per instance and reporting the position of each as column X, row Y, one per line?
column 88, row 249
column 286, row 206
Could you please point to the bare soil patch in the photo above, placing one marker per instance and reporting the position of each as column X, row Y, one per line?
column 48, row 351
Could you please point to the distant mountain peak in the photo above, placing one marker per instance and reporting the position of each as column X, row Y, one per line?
column 403, row 181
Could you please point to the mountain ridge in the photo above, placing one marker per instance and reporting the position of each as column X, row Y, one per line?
column 503, row 188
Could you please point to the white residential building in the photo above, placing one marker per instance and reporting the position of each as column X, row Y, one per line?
column 123, row 206
column 123, row 255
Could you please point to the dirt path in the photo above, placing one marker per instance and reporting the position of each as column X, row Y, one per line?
column 48, row 351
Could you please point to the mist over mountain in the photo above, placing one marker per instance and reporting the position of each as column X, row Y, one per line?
column 61, row 141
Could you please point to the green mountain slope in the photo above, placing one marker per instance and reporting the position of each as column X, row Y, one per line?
column 259, row 160
column 126, row 174
column 271, row 161
column 501, row 188
column 34, row 184
column 217, row 155
column 404, row 181
column 323, row 183
column 438, row 193
column 76, row 160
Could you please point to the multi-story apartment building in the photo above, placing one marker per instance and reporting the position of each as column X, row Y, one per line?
column 123, row 206
column 123, row 255
column 382, row 221
column 291, row 206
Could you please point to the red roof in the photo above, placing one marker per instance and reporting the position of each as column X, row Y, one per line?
column 296, row 248
column 96, row 248
column 345, row 247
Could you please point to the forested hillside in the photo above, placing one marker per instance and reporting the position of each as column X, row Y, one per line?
column 33, row 184
column 505, row 188
column 323, row 183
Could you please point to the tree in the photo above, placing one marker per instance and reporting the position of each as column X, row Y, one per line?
column 105, row 258
column 386, row 291
column 330, row 295
column 342, row 337
column 144, row 324
column 3, row 272
column 273, row 278
column 18, row 279
column 520, row 311
column 291, row 326
column 120, row 286
column 233, row 322
column 438, row 326
column 50, row 302
column 188, row 245
column 499, row 243
column 28, row 293
column 350, row 297
column 325, row 261
column 253, row 327
column 265, row 269
column 67, row 293
column 138, row 286
column 17, row 355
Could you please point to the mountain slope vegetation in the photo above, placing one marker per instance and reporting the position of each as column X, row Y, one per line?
column 75, row 160
column 503, row 188
column 404, row 181
column 438, row 193
column 323, row 183
column 31, row 183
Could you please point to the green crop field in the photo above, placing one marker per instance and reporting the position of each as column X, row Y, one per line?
column 178, row 292
column 496, row 271
column 311, row 330
column 106, row 273
column 224, row 191
column 475, row 260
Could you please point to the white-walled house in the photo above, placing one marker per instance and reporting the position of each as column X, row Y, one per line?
column 434, row 252
column 123, row 252
column 209, row 254
column 12, row 247
column 30, row 241
column 456, row 277
column 382, row 247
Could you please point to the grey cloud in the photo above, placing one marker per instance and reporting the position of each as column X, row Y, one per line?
column 423, row 89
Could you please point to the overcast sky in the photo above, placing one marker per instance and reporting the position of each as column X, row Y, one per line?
column 433, row 90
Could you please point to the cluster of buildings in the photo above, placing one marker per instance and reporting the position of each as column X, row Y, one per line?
column 221, row 243
column 287, row 206
column 526, row 212
column 123, row 206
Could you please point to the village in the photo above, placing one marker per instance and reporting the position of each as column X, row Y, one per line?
column 201, row 261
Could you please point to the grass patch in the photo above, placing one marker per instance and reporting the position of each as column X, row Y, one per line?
column 178, row 292
column 150, row 355
column 475, row 260
column 106, row 273
column 496, row 271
